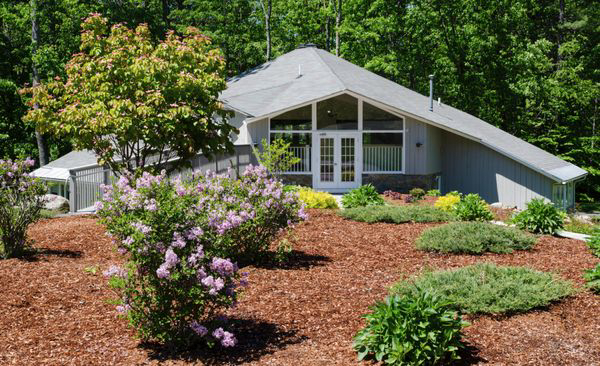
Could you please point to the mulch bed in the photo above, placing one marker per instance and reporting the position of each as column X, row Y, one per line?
column 400, row 199
column 302, row 313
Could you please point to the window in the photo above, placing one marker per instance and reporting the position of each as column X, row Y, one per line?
column 338, row 113
column 298, row 119
column 378, row 119
column 382, row 152
column 563, row 195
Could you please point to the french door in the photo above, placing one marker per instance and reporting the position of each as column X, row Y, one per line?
column 337, row 157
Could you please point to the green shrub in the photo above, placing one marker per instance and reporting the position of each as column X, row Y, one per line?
column 582, row 227
column 434, row 192
column 290, row 188
column 21, row 203
column 540, row 217
column 473, row 208
column 363, row 196
column 448, row 202
column 417, row 193
column 485, row 288
column 474, row 238
column 396, row 214
column 314, row 199
column 594, row 244
column 416, row 329
column 592, row 277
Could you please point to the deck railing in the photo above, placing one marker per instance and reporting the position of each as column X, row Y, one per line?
column 304, row 154
column 85, row 183
column 381, row 158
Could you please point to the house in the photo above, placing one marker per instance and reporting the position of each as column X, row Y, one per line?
column 350, row 127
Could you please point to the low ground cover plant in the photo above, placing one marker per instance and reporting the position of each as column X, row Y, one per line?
column 473, row 208
column 474, row 238
column 578, row 226
column 365, row 195
column 417, row 193
column 416, row 329
column 485, row 288
column 183, row 239
column 313, row 199
column 592, row 277
column 21, row 204
column 540, row 217
column 397, row 214
column 447, row 202
column 434, row 192
column 594, row 244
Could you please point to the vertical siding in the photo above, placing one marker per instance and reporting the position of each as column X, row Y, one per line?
column 237, row 121
column 433, row 146
column 470, row 167
column 415, row 156
column 257, row 131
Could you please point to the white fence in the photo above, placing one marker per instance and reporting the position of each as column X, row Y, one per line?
column 303, row 153
column 84, row 184
column 382, row 158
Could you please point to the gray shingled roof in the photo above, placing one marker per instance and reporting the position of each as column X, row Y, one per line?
column 276, row 85
column 59, row 169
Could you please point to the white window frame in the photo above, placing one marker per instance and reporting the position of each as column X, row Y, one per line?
column 359, row 131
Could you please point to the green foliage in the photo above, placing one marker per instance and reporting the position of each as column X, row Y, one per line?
column 314, row 199
column 21, row 203
column 129, row 99
column 474, row 238
column 365, row 195
column 397, row 214
column 417, row 193
column 473, row 208
column 416, row 329
column 592, row 277
column 594, row 244
column 434, row 193
column 485, row 288
column 276, row 156
column 579, row 226
column 540, row 217
column 448, row 202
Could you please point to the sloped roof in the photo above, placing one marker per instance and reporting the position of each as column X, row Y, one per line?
column 59, row 169
column 308, row 74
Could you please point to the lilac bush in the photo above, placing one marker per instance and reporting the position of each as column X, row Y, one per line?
column 21, row 202
column 184, row 238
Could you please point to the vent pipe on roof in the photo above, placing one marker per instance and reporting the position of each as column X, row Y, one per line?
column 431, row 93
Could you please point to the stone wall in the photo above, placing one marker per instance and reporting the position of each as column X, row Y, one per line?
column 297, row 179
column 399, row 182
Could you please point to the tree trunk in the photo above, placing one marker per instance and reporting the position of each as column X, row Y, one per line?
column 561, row 20
column 165, row 12
column 338, row 22
column 40, row 138
column 267, row 12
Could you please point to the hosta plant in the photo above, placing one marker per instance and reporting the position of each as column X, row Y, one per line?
column 592, row 277
column 365, row 195
column 540, row 217
column 21, row 202
column 473, row 208
column 183, row 239
column 415, row 329
column 433, row 192
column 417, row 193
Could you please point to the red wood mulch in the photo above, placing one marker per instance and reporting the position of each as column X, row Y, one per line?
column 55, row 312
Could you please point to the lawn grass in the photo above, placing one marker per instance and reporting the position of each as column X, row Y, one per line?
column 485, row 288
column 397, row 214
column 578, row 226
column 474, row 238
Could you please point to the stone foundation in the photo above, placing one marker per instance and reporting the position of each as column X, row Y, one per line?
column 297, row 179
column 400, row 182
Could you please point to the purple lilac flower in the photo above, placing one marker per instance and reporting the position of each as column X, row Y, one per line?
column 228, row 339
column 223, row 266
column 123, row 309
column 99, row 205
column 198, row 254
column 171, row 258
column 29, row 162
column 218, row 333
column 194, row 233
column 151, row 205
column 201, row 274
column 115, row 271
column 178, row 240
column 199, row 328
column 144, row 229
column 128, row 241
column 163, row 271
column 302, row 214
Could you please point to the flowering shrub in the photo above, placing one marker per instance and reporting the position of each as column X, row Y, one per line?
column 447, row 202
column 314, row 199
column 183, row 238
column 21, row 201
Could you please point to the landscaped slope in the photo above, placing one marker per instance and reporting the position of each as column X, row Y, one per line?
column 305, row 313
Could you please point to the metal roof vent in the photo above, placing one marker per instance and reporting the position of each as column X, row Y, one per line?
column 306, row 45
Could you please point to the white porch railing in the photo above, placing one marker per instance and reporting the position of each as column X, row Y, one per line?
column 303, row 153
column 382, row 158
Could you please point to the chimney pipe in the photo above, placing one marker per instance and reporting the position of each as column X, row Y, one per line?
column 431, row 93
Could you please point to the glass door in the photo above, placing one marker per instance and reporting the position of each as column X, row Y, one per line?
column 337, row 161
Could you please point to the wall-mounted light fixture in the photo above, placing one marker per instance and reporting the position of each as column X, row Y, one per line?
column 419, row 144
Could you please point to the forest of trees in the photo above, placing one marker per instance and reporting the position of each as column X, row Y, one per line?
column 530, row 67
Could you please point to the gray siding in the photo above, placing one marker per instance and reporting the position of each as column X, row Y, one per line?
column 257, row 131
column 470, row 167
column 433, row 146
column 237, row 121
column 415, row 160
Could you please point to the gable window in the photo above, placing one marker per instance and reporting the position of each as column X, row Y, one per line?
column 378, row 119
column 295, row 120
column 338, row 113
